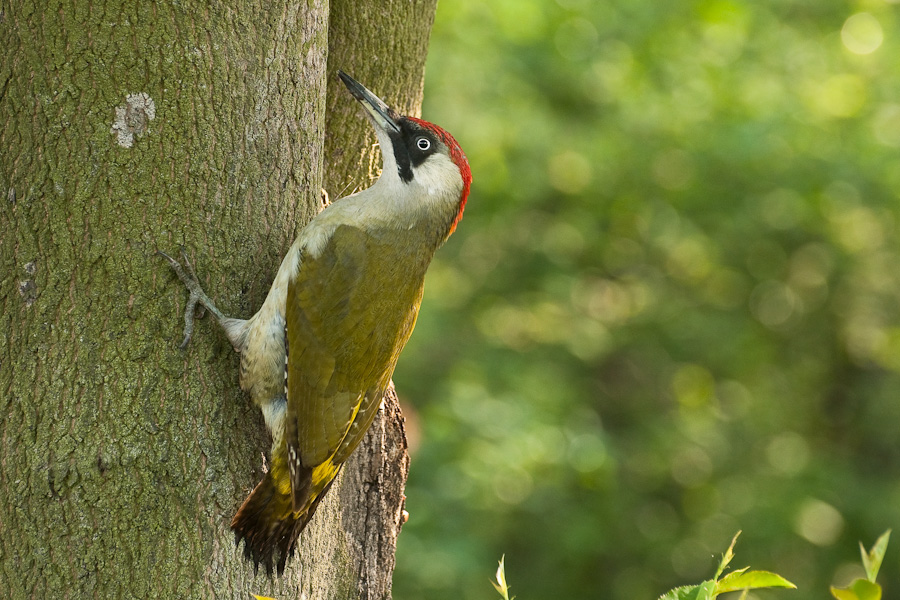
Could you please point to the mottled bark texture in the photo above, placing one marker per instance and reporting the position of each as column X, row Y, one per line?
column 127, row 127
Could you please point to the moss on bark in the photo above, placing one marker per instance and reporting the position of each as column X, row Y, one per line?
column 122, row 459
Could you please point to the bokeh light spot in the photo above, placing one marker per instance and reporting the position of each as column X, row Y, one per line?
column 819, row 522
column 693, row 386
column 783, row 208
column 577, row 39
column 587, row 453
column 673, row 169
column 886, row 125
column 691, row 467
column 569, row 172
column 788, row 453
column 841, row 95
column 512, row 485
column 862, row 33
column 773, row 303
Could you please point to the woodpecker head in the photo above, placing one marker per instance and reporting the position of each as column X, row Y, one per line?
column 420, row 159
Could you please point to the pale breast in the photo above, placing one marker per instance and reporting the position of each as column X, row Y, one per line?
column 262, row 360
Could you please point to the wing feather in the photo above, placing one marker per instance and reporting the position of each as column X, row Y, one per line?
column 346, row 324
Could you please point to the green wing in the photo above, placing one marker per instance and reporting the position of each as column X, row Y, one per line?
column 349, row 313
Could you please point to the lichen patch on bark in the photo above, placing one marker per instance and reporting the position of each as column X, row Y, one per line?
column 133, row 118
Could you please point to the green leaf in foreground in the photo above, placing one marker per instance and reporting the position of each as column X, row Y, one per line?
column 866, row 589
column 872, row 559
column 751, row 580
column 500, row 585
column 741, row 579
column 726, row 558
column 704, row 591
column 860, row 589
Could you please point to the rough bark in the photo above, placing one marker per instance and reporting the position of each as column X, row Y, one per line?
column 122, row 459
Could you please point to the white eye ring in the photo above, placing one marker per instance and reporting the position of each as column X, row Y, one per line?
column 423, row 143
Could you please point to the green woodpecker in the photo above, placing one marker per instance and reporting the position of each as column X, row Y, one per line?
column 319, row 355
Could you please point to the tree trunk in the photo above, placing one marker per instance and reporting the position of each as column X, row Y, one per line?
column 130, row 127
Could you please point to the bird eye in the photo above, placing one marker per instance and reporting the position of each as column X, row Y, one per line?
column 423, row 143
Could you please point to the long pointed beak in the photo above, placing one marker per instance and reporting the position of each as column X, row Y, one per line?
column 383, row 115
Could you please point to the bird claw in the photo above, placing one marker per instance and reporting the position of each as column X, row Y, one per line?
column 196, row 299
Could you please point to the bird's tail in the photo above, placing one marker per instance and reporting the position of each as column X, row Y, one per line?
column 267, row 525
column 266, row 521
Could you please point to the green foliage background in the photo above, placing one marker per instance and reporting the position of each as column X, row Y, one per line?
column 672, row 310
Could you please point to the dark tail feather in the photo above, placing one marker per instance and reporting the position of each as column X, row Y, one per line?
column 268, row 527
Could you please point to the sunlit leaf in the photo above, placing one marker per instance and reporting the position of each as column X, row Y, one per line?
column 860, row 589
column 872, row 559
column 704, row 591
column 728, row 556
column 753, row 580
column 500, row 585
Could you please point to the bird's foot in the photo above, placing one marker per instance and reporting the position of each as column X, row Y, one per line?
column 197, row 295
